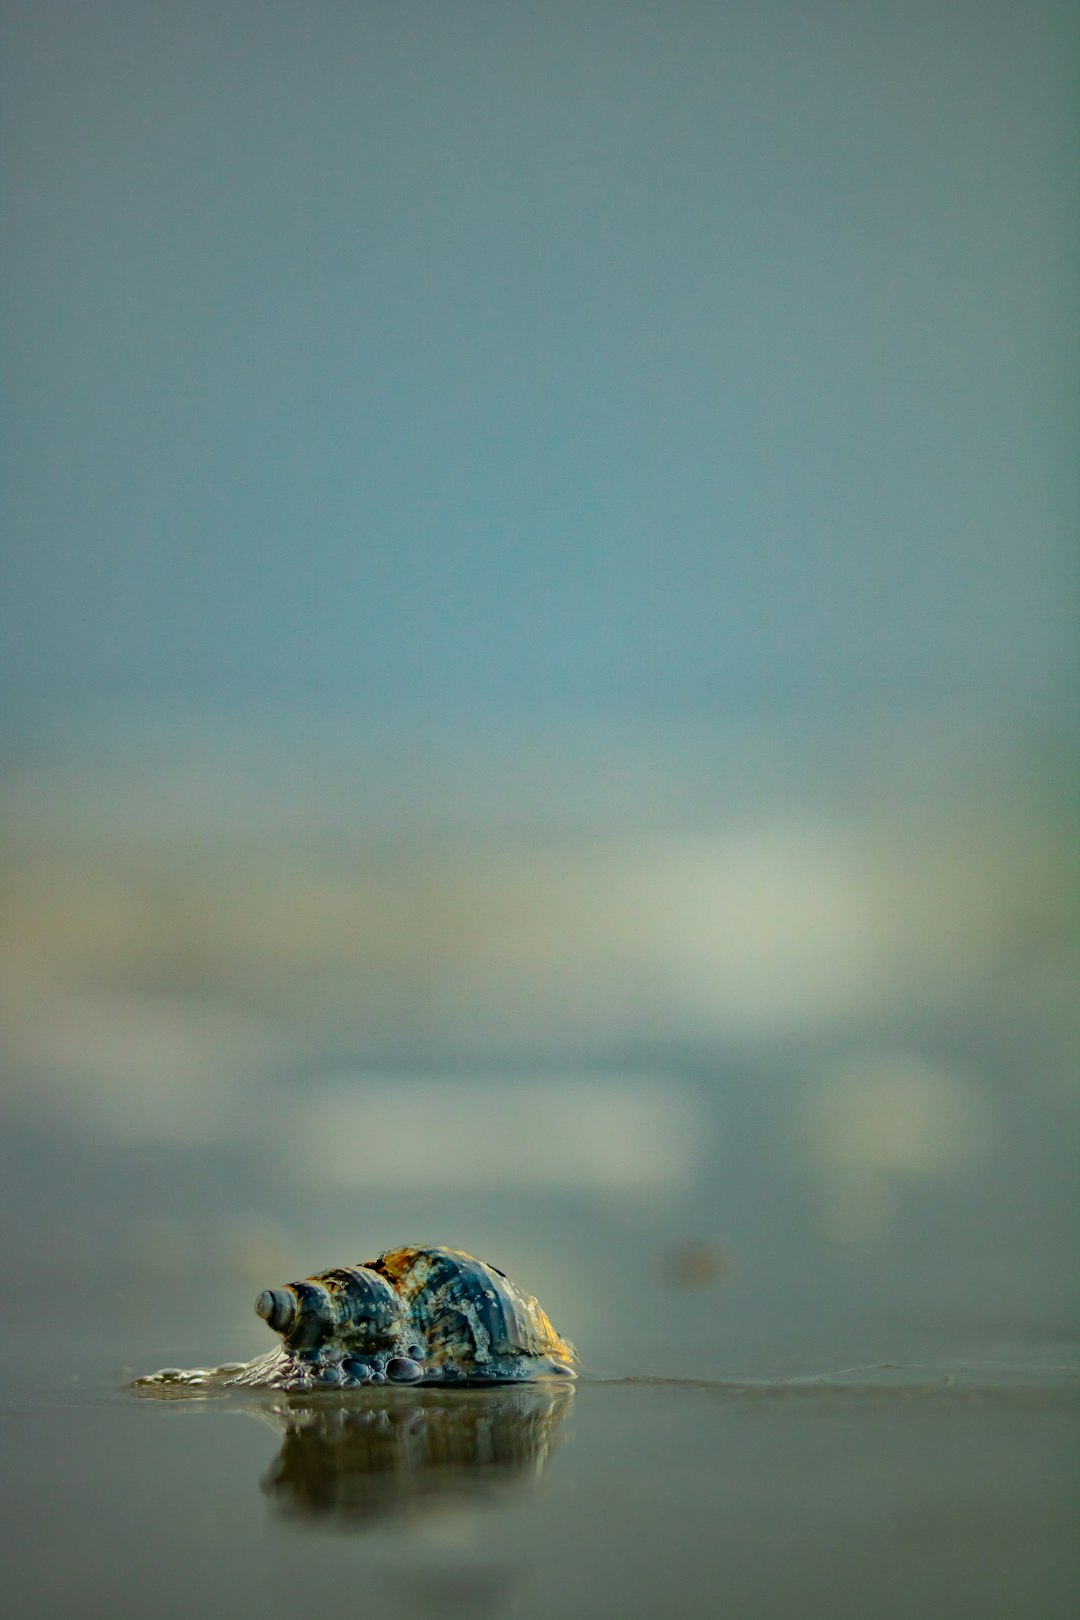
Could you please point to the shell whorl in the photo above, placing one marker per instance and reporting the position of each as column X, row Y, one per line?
column 351, row 1304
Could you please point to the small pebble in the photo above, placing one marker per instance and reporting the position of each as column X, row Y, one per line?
column 357, row 1371
column 416, row 1352
column 329, row 1375
column 378, row 1378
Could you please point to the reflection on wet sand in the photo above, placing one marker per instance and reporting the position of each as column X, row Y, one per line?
column 394, row 1452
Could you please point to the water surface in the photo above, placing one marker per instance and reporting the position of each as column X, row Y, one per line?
column 889, row 1490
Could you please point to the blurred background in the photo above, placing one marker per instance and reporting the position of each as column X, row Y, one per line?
column 539, row 638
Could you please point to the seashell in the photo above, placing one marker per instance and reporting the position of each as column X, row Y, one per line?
column 415, row 1315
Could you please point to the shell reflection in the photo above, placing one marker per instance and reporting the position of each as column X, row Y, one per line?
column 392, row 1455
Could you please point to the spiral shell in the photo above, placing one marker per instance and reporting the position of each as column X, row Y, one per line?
column 414, row 1315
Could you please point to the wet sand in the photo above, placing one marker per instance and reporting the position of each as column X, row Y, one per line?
column 885, row 1491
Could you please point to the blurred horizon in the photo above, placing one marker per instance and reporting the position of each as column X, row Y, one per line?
column 789, row 1018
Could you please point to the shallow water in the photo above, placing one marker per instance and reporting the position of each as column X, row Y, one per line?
column 886, row 1490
